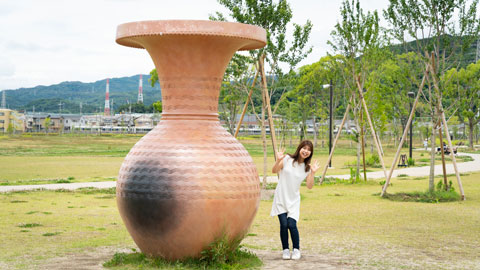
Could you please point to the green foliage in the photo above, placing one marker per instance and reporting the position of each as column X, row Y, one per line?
column 354, row 176
column 157, row 106
column 373, row 161
column 29, row 225
column 10, row 128
column 51, row 234
column 411, row 162
column 274, row 18
column 463, row 86
column 426, row 197
column 237, row 259
column 441, row 186
column 47, row 123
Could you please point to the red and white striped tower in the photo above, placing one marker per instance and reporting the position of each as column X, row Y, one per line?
column 140, row 90
column 107, row 100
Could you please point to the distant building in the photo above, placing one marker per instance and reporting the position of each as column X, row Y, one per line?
column 36, row 122
column 13, row 119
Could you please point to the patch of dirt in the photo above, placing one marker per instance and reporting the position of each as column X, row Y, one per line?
column 272, row 260
column 88, row 260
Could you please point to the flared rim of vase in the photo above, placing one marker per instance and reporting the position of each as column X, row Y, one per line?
column 127, row 32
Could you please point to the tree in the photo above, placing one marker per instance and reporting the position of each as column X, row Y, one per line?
column 235, row 83
column 388, row 86
column 157, row 106
column 47, row 123
column 442, row 31
column 10, row 129
column 309, row 93
column 274, row 17
column 464, row 86
column 357, row 36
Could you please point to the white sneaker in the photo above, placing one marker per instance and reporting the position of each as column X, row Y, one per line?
column 296, row 254
column 286, row 254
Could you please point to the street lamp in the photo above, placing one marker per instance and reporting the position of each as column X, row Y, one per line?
column 330, row 130
column 411, row 95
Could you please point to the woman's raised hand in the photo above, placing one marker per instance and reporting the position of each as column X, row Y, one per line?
column 281, row 153
column 315, row 166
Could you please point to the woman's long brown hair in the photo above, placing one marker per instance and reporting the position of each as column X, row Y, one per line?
column 296, row 156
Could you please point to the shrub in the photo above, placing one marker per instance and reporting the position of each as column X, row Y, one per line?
column 373, row 160
column 411, row 162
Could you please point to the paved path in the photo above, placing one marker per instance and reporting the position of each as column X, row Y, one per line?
column 463, row 167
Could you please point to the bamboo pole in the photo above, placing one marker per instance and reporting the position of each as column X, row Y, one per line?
column 371, row 127
column 452, row 155
column 335, row 141
column 246, row 104
column 363, row 146
column 409, row 122
column 269, row 108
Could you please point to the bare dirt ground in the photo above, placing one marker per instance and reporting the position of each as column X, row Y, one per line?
column 310, row 261
column 272, row 260
column 90, row 260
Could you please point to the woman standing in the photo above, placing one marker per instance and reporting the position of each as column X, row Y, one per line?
column 292, row 169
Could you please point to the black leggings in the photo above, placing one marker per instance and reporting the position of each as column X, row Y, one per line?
column 285, row 225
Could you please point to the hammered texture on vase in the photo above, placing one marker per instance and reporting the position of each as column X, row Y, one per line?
column 188, row 182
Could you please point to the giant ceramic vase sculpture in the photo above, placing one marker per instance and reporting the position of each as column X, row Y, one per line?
column 188, row 182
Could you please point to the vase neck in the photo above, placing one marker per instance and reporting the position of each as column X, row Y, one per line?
column 190, row 95
column 190, row 70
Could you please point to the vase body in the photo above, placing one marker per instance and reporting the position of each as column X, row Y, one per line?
column 188, row 182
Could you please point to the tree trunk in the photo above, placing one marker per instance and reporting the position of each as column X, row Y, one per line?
column 471, row 126
column 359, row 147
column 431, row 180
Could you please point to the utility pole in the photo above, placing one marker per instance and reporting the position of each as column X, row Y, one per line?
column 60, row 107
column 106, row 111
column 140, row 90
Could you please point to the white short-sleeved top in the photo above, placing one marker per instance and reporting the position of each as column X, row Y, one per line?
column 287, row 193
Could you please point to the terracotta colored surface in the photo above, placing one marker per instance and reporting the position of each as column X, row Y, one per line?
column 188, row 181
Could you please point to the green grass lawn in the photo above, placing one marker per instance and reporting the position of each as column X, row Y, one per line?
column 42, row 159
column 339, row 221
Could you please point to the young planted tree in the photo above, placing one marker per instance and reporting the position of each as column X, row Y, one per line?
column 274, row 17
column 389, row 85
column 441, row 30
column 357, row 37
column 235, row 82
column 464, row 85
column 311, row 91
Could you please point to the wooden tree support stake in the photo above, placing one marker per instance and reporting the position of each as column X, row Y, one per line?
column 246, row 104
column 447, row 134
column 372, row 129
column 335, row 141
column 452, row 155
column 269, row 108
column 409, row 122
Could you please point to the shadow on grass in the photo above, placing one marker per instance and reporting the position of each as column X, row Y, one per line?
column 238, row 259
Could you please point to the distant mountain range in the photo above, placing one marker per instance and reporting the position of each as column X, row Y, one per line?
column 91, row 96
column 66, row 97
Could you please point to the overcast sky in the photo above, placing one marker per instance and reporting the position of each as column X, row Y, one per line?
column 50, row 41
